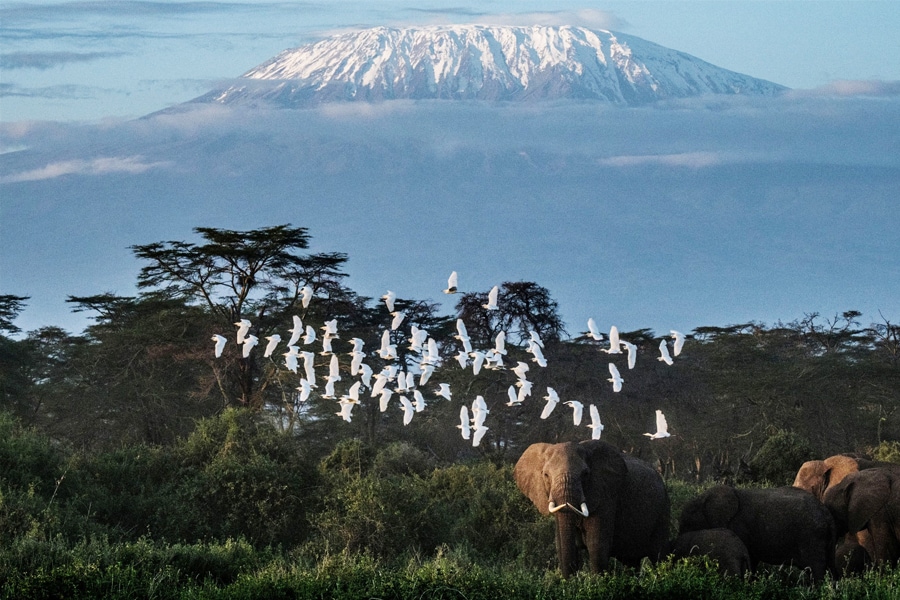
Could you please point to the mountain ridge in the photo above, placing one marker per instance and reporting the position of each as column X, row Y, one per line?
column 480, row 62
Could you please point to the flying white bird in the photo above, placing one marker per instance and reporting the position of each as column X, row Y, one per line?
column 326, row 346
column 467, row 345
column 357, row 345
column 662, row 428
column 552, row 400
column 290, row 358
column 420, row 400
column 408, row 410
column 464, row 421
column 593, row 331
column 427, row 370
column 296, row 331
column 346, row 409
column 310, row 336
column 365, row 375
column 389, row 298
column 410, row 380
column 383, row 398
column 243, row 328
column 513, row 397
column 520, row 369
column 356, row 359
column 577, row 410
column 500, row 343
column 479, row 433
column 461, row 331
column 273, row 343
column 417, row 338
column 616, row 378
column 380, row 381
column 329, row 389
column 334, row 369
column 444, row 391
column 538, row 355
column 664, row 353
column 596, row 426
column 462, row 358
column 452, row 283
column 398, row 318
column 309, row 366
column 220, row 341
column 433, row 355
column 330, row 329
column 524, row 389
column 614, row 347
column 249, row 342
column 353, row 393
column 478, row 358
column 536, row 338
column 479, row 411
column 492, row 299
column 679, row 342
column 632, row 353
column 306, row 294
column 305, row 390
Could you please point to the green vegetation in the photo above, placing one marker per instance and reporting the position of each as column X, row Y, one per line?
column 135, row 464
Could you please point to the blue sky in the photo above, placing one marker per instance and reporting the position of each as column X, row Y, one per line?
column 695, row 213
column 82, row 60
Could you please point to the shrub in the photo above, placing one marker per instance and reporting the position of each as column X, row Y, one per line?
column 886, row 451
column 779, row 458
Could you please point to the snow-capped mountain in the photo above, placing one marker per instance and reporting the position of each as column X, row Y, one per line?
column 485, row 63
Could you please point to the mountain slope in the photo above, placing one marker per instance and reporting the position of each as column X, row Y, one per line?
column 483, row 63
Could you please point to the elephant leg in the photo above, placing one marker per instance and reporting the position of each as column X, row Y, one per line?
column 598, row 537
column 884, row 543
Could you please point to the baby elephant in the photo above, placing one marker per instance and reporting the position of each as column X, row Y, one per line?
column 778, row 526
column 720, row 544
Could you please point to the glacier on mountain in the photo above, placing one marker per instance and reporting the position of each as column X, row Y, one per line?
column 482, row 62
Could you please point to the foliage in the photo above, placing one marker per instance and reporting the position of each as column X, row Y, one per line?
column 886, row 452
column 778, row 458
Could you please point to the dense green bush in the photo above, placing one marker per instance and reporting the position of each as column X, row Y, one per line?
column 886, row 451
column 780, row 456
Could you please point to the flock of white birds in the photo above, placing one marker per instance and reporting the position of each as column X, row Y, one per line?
column 392, row 380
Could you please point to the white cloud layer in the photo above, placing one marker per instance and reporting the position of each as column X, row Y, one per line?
column 96, row 166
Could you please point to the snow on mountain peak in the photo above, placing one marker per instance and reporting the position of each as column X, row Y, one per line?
column 486, row 63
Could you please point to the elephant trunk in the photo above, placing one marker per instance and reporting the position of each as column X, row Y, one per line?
column 567, row 533
column 566, row 493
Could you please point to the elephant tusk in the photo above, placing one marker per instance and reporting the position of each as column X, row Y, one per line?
column 554, row 508
column 584, row 510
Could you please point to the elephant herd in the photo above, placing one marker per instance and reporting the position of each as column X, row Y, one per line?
column 841, row 514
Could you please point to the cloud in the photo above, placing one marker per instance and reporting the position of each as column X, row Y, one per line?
column 66, row 91
column 694, row 160
column 97, row 166
column 849, row 88
column 47, row 60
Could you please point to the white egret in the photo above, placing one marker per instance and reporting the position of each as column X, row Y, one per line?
column 464, row 421
column 326, row 346
column 444, row 391
column 243, row 328
column 520, row 369
column 513, row 397
column 577, row 411
column 427, row 370
column 500, row 343
column 290, row 358
column 462, row 357
column 452, row 283
column 662, row 427
column 664, row 353
column 420, row 400
column 365, row 375
column 461, row 330
column 273, row 343
column 552, row 400
column 632, row 353
column 389, row 298
column 357, row 345
column 330, row 328
column 306, row 294
column 524, row 389
column 380, row 381
column 398, row 318
column 492, row 299
column 383, row 398
column 334, row 368
column 310, row 336
column 305, row 390
column 679, row 342
column 346, row 409
column 536, row 338
column 477, row 361
column 408, row 410
column 593, row 331
column 309, row 366
column 329, row 389
column 353, row 393
column 614, row 347
column 296, row 331
column 595, row 425
column 249, row 342
column 220, row 341
column 615, row 378
column 356, row 359
column 479, row 433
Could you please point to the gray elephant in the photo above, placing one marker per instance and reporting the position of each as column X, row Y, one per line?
column 782, row 525
column 855, row 550
column 869, row 500
column 612, row 504
column 722, row 545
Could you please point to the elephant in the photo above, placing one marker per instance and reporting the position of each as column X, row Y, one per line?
column 782, row 525
column 869, row 500
column 818, row 476
column 612, row 504
column 722, row 545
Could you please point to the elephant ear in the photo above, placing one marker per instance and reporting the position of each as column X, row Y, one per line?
column 608, row 472
column 528, row 474
column 811, row 475
column 866, row 493
column 720, row 505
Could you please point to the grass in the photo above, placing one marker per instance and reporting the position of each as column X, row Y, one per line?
column 234, row 570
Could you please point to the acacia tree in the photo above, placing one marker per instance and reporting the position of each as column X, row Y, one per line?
column 256, row 275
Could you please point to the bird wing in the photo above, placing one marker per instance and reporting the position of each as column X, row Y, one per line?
column 661, row 425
